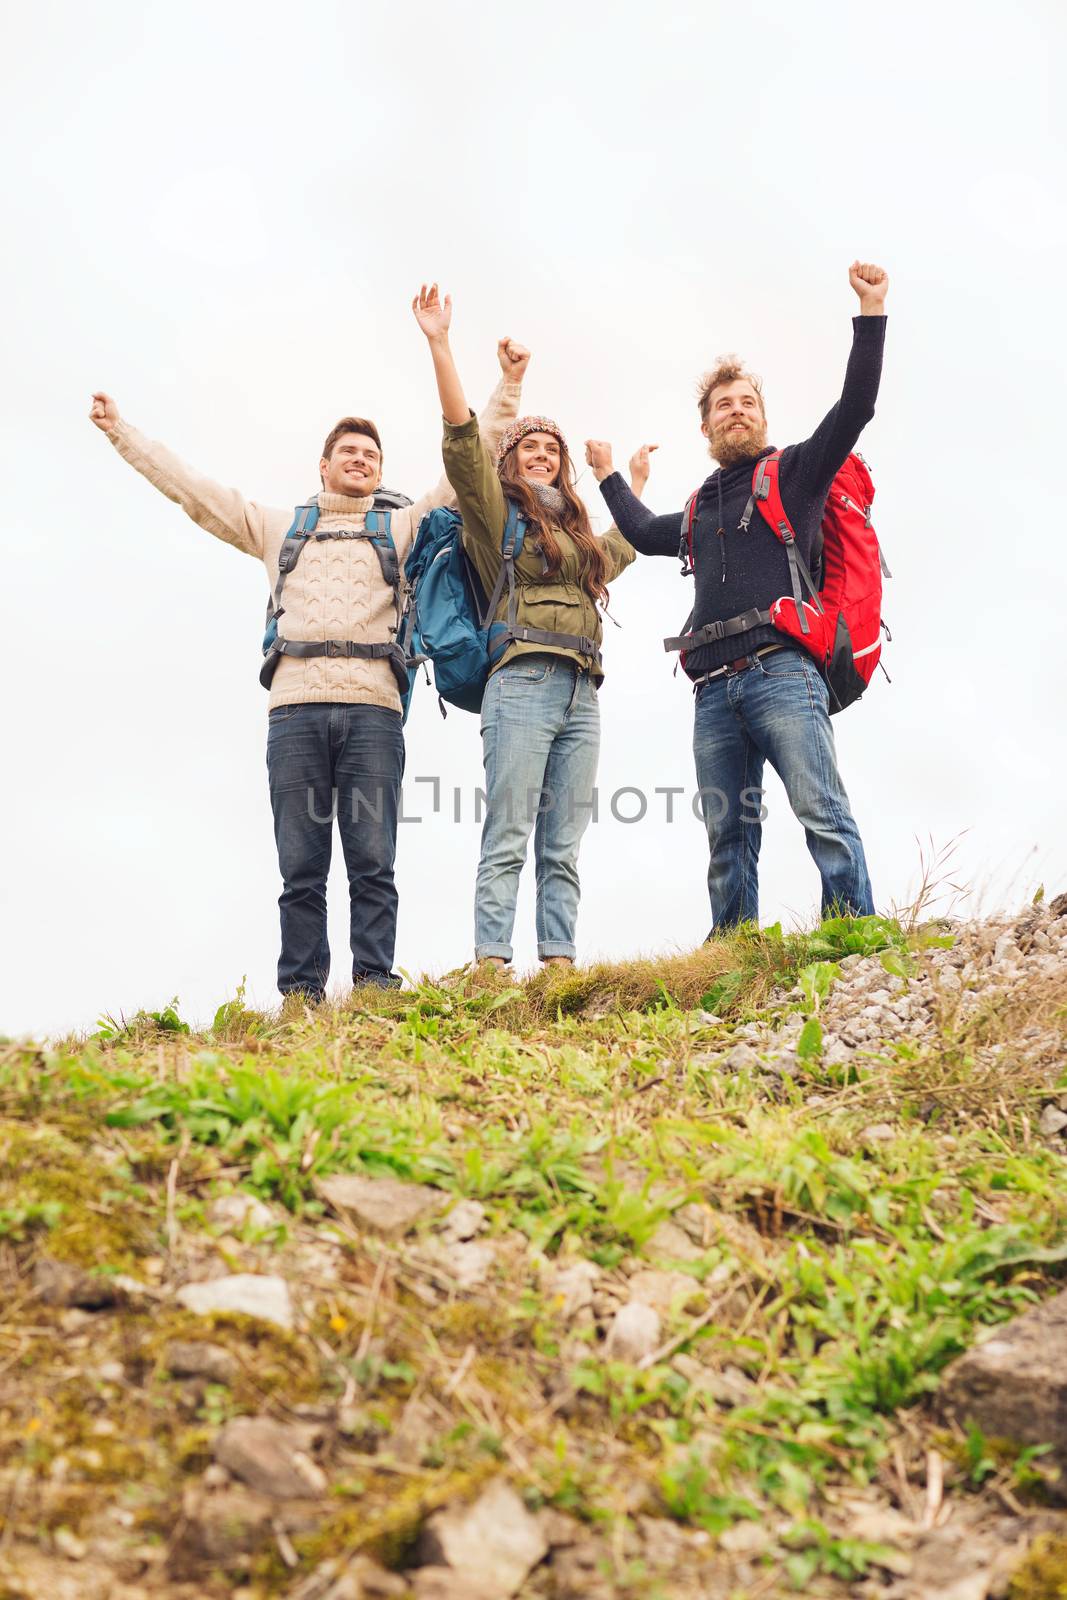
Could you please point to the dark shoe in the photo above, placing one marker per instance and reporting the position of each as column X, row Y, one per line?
column 376, row 980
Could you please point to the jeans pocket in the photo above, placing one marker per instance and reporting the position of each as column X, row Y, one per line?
column 278, row 714
column 524, row 670
column 785, row 664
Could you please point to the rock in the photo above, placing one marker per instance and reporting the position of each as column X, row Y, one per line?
column 68, row 1544
column 413, row 1434
column 745, row 1539
column 634, row 1333
column 879, row 1133
column 1006, row 952
column 672, row 1243
column 273, row 1458
column 1053, row 1121
column 664, row 1291
column 60, row 1284
column 740, row 1058
column 467, row 1261
column 1058, row 907
column 191, row 1358
column 247, row 1293
column 1014, row 1386
column 385, row 1206
column 463, row 1222
column 216, row 1527
column 560, row 1530
column 237, row 1211
column 570, row 1288
column 489, row 1546
column 727, row 1386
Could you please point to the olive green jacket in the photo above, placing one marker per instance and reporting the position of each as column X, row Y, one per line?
column 558, row 604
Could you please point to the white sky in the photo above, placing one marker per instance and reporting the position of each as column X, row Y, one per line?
column 220, row 213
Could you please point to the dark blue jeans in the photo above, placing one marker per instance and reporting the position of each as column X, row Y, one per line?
column 777, row 711
column 345, row 761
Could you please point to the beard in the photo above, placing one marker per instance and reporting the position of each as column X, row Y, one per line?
column 729, row 446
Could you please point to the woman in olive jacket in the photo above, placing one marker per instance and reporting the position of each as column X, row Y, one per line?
column 540, row 718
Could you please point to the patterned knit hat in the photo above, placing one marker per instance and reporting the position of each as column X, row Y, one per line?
column 521, row 427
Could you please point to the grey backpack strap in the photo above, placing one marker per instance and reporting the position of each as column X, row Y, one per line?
column 305, row 521
column 514, row 531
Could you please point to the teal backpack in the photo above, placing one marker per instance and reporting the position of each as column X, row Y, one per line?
column 377, row 530
column 450, row 620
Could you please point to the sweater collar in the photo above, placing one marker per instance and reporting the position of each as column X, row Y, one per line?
column 743, row 469
column 344, row 505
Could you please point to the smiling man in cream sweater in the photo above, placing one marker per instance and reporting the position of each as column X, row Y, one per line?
column 335, row 741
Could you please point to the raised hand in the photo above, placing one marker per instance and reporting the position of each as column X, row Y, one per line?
column 641, row 466
column 514, row 359
column 432, row 316
column 598, row 455
column 871, row 283
column 104, row 412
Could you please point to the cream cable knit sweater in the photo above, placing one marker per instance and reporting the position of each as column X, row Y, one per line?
column 336, row 590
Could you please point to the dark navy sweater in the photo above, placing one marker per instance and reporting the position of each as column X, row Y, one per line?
column 751, row 569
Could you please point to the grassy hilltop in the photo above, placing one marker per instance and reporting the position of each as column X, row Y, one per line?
column 654, row 1269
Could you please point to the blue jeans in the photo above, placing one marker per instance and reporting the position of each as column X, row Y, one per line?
column 540, row 742
column 776, row 711
column 346, row 761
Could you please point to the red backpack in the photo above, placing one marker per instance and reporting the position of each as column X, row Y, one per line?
column 841, row 624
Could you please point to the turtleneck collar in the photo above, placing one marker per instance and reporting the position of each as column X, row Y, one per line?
column 344, row 505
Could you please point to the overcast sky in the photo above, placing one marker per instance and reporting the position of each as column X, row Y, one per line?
column 219, row 214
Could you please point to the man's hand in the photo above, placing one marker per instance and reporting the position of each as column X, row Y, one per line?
column 514, row 359
column 640, row 467
column 104, row 412
column 598, row 455
column 432, row 317
column 871, row 284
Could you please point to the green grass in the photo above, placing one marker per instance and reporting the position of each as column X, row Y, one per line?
column 582, row 1110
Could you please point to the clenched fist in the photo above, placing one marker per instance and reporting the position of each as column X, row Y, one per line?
column 871, row 284
column 514, row 359
column 104, row 412
column 598, row 455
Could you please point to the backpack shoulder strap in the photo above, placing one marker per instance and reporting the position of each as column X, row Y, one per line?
column 378, row 527
column 767, row 494
column 685, row 543
column 511, row 542
column 305, row 521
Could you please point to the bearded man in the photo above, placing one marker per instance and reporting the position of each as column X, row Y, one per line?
column 758, row 696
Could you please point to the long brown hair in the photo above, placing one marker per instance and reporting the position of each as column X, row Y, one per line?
column 574, row 519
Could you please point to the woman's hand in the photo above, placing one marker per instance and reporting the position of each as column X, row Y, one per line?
column 640, row 467
column 514, row 359
column 432, row 316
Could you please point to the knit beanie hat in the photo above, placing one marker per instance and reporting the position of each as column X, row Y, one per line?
column 521, row 427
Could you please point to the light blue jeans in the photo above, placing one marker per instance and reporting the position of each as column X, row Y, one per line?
column 540, row 743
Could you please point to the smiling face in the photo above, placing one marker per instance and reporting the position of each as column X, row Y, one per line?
column 734, row 423
column 353, row 466
column 537, row 456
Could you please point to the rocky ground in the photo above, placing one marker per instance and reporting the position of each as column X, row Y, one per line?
column 526, row 1292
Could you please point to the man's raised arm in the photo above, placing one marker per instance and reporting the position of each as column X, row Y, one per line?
column 818, row 458
column 223, row 512
column 649, row 534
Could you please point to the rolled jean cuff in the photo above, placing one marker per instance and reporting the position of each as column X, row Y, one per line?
column 555, row 947
column 504, row 951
